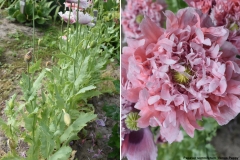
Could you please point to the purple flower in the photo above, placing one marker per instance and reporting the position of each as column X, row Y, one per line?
column 139, row 145
column 100, row 122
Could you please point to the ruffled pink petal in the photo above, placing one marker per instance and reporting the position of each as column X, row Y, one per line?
column 187, row 17
column 233, row 102
column 226, row 114
column 187, row 125
column 131, row 94
column 144, row 120
column 220, row 33
column 223, row 85
column 233, row 87
column 214, row 51
column 174, row 130
column 213, row 85
column 150, row 30
column 194, row 105
column 172, row 21
column 207, row 107
column 153, row 99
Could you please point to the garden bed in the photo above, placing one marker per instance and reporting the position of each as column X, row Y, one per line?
column 93, row 143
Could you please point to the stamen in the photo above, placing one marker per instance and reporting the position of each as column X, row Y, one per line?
column 182, row 77
column 139, row 18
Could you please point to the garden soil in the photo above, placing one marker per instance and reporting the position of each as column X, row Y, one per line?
column 227, row 140
column 93, row 145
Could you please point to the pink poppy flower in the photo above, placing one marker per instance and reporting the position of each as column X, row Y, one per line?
column 73, row 6
column 85, row 19
column 66, row 16
column 204, row 5
column 176, row 76
column 134, row 12
column 82, row 3
column 64, row 37
column 227, row 13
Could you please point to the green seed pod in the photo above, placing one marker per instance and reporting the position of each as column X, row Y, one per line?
column 11, row 104
column 131, row 121
column 11, row 144
column 234, row 27
column 93, row 44
column 67, row 118
column 139, row 18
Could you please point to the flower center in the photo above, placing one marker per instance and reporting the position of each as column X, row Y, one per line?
column 234, row 27
column 131, row 121
column 139, row 18
column 182, row 77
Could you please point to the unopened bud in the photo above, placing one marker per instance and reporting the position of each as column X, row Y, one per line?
column 67, row 118
column 48, row 63
column 28, row 56
column 39, row 41
column 11, row 104
column 93, row 44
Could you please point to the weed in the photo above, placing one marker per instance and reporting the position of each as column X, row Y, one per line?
column 1, row 50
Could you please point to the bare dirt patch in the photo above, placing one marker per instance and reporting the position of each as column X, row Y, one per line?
column 227, row 140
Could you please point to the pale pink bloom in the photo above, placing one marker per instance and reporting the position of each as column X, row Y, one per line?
column 82, row 3
column 66, row 16
column 139, row 145
column 134, row 12
column 73, row 6
column 64, row 37
column 85, row 19
column 189, row 47
column 227, row 13
column 204, row 5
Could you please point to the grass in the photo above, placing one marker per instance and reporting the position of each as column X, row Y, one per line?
column 20, row 41
column 1, row 50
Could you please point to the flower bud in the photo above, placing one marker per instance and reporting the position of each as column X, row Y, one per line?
column 11, row 104
column 93, row 44
column 67, row 118
column 28, row 56
column 39, row 41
